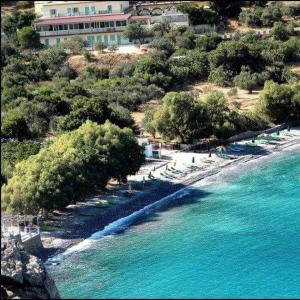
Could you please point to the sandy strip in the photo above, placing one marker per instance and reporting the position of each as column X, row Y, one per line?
column 206, row 174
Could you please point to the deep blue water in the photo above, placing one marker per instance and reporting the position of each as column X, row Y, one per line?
column 240, row 240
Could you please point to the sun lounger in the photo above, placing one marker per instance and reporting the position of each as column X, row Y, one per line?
column 251, row 144
column 236, row 149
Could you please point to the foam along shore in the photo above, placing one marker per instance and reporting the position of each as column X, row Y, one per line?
column 170, row 180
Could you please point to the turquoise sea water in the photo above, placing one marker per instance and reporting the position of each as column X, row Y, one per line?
column 241, row 239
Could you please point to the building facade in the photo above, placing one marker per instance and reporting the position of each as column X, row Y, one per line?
column 94, row 21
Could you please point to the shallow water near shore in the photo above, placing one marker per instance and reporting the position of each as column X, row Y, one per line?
column 236, row 239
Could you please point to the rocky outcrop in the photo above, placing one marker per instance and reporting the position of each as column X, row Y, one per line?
column 23, row 276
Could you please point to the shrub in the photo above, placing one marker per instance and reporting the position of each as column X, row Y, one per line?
column 14, row 126
column 113, row 48
column 97, row 73
column 279, row 32
column 208, row 42
column 88, row 56
column 219, row 77
column 28, row 38
column 67, row 72
column 24, row 4
column 163, row 44
column 100, row 46
column 246, row 80
column 75, row 44
column 126, row 68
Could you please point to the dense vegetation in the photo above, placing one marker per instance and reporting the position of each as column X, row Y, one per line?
column 90, row 112
column 73, row 166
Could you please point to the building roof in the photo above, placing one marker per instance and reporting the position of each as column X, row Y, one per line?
column 82, row 19
column 140, row 17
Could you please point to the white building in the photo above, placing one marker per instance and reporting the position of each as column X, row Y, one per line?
column 144, row 142
column 94, row 21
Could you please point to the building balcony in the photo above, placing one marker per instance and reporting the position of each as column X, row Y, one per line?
column 83, row 14
column 81, row 31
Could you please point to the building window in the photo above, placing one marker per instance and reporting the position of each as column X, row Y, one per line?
column 109, row 8
column 120, row 23
column 52, row 12
column 106, row 40
column 87, row 25
column 111, row 24
column 60, row 27
column 102, row 25
column 80, row 25
column 71, row 26
column 47, row 42
column 66, row 27
column 76, row 26
column 91, row 41
column 87, row 10
column 121, row 7
column 69, row 10
column 75, row 10
column 99, row 39
column 97, row 24
column 106, row 24
column 57, row 41
column 119, row 39
column 112, row 38
column 38, row 28
column 93, row 10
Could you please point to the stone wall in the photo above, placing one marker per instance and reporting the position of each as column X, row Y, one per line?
column 23, row 276
column 33, row 245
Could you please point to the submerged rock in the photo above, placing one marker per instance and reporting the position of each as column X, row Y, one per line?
column 23, row 276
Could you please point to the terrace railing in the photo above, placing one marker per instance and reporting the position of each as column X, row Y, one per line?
column 80, row 31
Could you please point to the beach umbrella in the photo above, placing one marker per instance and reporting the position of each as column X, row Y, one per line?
column 209, row 153
column 277, row 131
column 253, row 139
column 174, row 163
column 193, row 159
column 289, row 128
column 129, row 188
column 221, row 148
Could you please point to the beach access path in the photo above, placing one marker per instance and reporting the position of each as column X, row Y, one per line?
column 174, row 172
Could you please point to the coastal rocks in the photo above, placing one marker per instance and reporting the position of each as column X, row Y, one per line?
column 23, row 276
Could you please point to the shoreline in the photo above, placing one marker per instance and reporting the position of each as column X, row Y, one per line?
column 160, row 190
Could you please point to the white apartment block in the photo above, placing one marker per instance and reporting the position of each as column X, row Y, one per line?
column 94, row 21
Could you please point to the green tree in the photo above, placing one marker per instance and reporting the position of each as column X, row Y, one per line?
column 219, row 76
column 246, row 80
column 135, row 31
column 28, row 38
column 16, row 20
column 14, row 152
column 163, row 44
column 279, row 31
column 147, row 122
column 14, row 126
column 198, row 15
column 226, row 8
column 280, row 101
column 73, row 166
column 180, row 117
column 208, row 42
